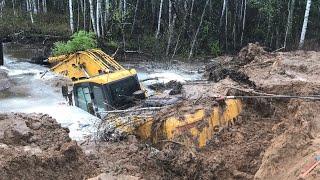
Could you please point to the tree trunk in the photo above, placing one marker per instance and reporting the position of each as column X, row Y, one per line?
column 171, row 28
column 124, row 7
column 222, row 12
column 197, row 32
column 93, row 21
column 305, row 24
column 289, row 23
column 29, row 9
column 106, row 13
column 34, row 6
column 226, row 26
column 98, row 15
column 71, row 16
column 191, row 11
column 243, row 21
column 14, row 8
column 182, row 29
column 135, row 16
column 159, row 19
column 84, row 14
column 44, row 6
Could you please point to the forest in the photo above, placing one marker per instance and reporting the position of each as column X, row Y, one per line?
column 159, row 89
column 170, row 27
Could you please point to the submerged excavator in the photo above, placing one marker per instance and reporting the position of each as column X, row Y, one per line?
column 101, row 86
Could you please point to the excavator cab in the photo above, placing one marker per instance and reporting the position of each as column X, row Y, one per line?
column 99, row 82
column 95, row 98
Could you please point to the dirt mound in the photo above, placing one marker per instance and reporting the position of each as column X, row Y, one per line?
column 249, row 53
column 35, row 146
column 227, row 67
column 175, row 87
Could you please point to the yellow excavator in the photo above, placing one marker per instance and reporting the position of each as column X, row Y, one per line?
column 101, row 86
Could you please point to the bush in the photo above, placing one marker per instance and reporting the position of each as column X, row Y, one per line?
column 215, row 49
column 80, row 41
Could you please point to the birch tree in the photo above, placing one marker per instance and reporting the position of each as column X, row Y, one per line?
column 29, row 9
column 92, row 16
column 197, row 32
column 98, row 16
column 71, row 16
column 44, row 6
column 305, row 24
column 159, row 19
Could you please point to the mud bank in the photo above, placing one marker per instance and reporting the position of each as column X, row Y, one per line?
column 34, row 146
column 271, row 139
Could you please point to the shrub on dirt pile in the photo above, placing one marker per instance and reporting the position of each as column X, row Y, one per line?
column 80, row 41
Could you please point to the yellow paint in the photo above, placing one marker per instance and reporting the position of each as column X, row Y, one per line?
column 90, row 66
column 194, row 129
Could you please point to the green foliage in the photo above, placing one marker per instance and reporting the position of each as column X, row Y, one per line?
column 80, row 41
column 215, row 49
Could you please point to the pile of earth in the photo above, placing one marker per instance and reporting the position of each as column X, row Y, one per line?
column 271, row 139
column 34, row 146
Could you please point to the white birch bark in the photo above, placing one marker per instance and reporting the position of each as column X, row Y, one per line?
column 29, row 9
column 71, row 16
column 305, row 24
column 222, row 12
column 197, row 32
column 159, row 19
column 34, row 6
column 98, row 29
column 124, row 7
column 93, row 21
column 44, row 6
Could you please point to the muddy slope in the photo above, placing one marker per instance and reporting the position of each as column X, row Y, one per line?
column 36, row 147
column 272, row 139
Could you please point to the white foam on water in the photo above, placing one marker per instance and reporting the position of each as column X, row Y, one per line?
column 43, row 97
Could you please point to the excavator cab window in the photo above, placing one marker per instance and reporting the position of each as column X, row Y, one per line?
column 122, row 92
column 98, row 98
column 83, row 99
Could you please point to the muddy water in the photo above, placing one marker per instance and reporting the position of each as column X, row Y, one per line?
column 31, row 92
